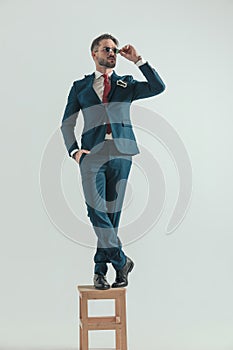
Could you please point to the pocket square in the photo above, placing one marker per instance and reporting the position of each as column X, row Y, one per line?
column 122, row 83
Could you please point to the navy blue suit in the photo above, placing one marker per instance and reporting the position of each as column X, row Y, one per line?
column 105, row 170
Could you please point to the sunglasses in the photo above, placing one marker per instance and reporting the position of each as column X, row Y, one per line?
column 109, row 49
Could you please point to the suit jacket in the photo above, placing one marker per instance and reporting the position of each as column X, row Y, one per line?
column 124, row 90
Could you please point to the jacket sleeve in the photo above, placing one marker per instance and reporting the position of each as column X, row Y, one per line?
column 69, row 121
column 153, row 86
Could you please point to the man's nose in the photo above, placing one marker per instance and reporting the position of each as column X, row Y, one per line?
column 111, row 52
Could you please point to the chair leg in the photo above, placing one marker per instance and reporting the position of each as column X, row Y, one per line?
column 80, row 338
column 118, row 331
column 84, row 339
column 83, row 331
column 123, row 320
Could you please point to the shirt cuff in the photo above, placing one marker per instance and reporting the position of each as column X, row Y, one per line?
column 73, row 152
column 140, row 62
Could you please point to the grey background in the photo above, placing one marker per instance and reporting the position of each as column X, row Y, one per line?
column 185, row 300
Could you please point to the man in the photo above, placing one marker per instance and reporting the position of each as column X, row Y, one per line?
column 107, row 146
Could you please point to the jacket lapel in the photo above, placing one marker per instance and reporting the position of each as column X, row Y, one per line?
column 92, row 95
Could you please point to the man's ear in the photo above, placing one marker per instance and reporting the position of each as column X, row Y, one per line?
column 93, row 54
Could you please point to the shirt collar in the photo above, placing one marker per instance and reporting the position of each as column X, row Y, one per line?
column 99, row 74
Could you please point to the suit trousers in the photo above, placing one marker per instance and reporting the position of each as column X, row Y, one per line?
column 104, row 178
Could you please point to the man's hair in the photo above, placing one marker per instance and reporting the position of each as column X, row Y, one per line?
column 96, row 42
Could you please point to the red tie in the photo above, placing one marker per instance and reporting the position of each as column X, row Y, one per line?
column 107, row 88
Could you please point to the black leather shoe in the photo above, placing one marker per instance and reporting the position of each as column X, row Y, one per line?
column 100, row 282
column 122, row 275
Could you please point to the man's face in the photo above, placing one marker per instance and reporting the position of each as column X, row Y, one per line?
column 104, row 58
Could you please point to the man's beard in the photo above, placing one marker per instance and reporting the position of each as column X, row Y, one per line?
column 106, row 63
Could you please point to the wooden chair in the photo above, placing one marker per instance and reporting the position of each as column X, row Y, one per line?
column 116, row 322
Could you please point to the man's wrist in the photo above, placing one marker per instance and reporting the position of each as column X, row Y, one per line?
column 140, row 61
column 72, row 154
